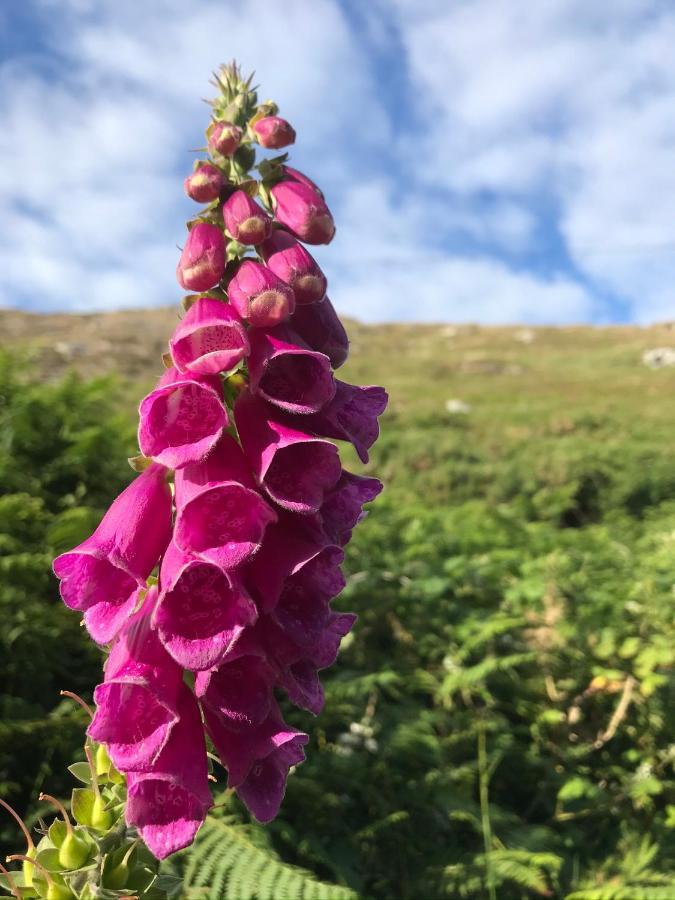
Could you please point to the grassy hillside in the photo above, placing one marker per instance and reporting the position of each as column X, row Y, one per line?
column 502, row 722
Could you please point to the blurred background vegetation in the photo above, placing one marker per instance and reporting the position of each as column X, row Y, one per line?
column 501, row 723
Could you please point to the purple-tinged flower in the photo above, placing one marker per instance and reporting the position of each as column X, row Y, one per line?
column 221, row 517
column 303, row 211
column 246, row 222
column 273, row 132
column 296, row 469
column 342, row 508
column 202, row 262
column 137, row 704
column 169, row 803
column 224, row 138
column 290, row 572
column 287, row 373
column 201, row 611
column 258, row 760
column 321, row 329
column 260, row 296
column 351, row 416
column 296, row 266
column 239, row 692
column 210, row 338
column 297, row 175
column 205, row 183
column 104, row 574
column 181, row 420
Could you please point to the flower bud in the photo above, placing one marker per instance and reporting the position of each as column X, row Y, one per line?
column 224, row 138
column 296, row 266
column 202, row 262
column 303, row 211
column 205, row 183
column 246, row 222
column 273, row 132
column 260, row 296
column 296, row 175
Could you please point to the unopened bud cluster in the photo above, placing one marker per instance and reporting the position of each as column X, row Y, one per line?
column 248, row 545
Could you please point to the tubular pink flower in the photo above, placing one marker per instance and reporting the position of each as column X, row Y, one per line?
column 296, row 469
column 103, row 575
column 342, row 509
column 296, row 266
column 239, row 692
column 202, row 262
column 210, row 338
column 352, row 416
column 221, row 517
column 205, row 183
column 295, row 175
column 182, row 419
column 224, row 138
column 303, row 211
column 136, row 706
column 259, row 296
column 273, row 132
column 201, row 611
column 169, row 803
column 321, row 329
column 258, row 760
column 246, row 222
column 287, row 373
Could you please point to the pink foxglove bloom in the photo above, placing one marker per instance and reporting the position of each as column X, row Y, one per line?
column 239, row 693
column 295, row 175
column 296, row 266
column 245, row 221
column 210, row 338
column 103, row 576
column 289, row 374
column 303, row 212
column 259, row 296
column 137, row 704
column 169, row 803
column 342, row 509
column 221, row 517
column 321, row 329
column 202, row 262
column 352, row 416
column 182, row 419
column 258, row 760
column 201, row 611
column 224, row 139
column 295, row 468
column 273, row 132
column 205, row 183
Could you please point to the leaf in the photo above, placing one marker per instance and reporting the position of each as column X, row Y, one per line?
column 82, row 805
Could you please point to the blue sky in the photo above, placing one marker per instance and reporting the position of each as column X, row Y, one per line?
column 485, row 161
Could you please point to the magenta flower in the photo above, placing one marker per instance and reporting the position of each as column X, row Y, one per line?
column 210, row 339
column 342, row 508
column 202, row 262
column 258, row 760
column 259, row 296
column 321, row 329
column 295, row 468
column 289, row 374
column 205, row 183
column 169, row 803
column 352, row 416
column 137, row 704
column 103, row 575
column 224, row 138
column 303, row 211
column 296, row 266
column 273, row 132
column 181, row 420
column 295, row 175
column 220, row 516
column 246, row 222
column 238, row 693
column 201, row 611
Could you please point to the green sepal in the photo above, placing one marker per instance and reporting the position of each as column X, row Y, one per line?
column 81, row 771
column 49, row 858
column 82, row 805
column 235, row 250
column 57, row 832
column 244, row 158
